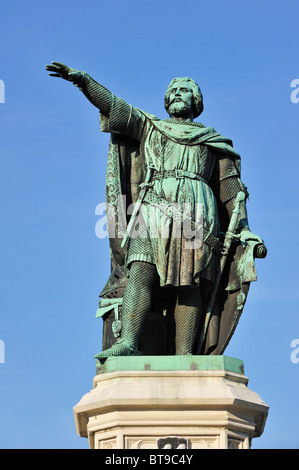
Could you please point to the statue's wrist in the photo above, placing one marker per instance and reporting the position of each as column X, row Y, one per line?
column 79, row 77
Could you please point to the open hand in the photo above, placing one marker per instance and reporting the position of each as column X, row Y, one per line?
column 63, row 71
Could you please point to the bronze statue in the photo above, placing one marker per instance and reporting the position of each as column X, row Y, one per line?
column 172, row 290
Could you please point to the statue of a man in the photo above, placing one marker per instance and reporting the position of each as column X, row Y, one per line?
column 186, row 164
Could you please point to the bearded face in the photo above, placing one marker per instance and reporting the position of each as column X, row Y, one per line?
column 180, row 99
column 183, row 98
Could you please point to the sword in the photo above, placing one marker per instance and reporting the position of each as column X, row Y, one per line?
column 230, row 234
column 144, row 187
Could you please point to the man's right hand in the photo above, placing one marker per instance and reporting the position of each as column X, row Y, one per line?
column 63, row 71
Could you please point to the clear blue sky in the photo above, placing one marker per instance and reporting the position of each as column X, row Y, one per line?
column 244, row 55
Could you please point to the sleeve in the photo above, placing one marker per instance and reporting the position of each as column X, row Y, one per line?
column 226, row 185
column 97, row 94
column 225, row 178
column 116, row 115
column 124, row 119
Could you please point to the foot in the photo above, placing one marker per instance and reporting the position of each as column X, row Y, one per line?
column 120, row 348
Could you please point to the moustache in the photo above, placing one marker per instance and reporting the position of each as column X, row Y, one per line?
column 178, row 100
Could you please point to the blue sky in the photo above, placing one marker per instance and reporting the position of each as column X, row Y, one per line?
column 53, row 163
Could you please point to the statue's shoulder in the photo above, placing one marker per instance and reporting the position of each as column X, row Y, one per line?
column 152, row 117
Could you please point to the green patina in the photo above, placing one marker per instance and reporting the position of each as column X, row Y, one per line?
column 176, row 171
column 170, row 363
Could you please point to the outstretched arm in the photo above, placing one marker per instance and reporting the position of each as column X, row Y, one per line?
column 123, row 118
column 98, row 95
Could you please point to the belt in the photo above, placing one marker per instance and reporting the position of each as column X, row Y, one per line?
column 160, row 175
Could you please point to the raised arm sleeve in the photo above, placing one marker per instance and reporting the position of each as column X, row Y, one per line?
column 117, row 116
column 97, row 94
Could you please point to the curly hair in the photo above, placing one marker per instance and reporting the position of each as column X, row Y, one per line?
column 197, row 105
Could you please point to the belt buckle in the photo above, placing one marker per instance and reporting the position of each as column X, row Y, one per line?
column 179, row 174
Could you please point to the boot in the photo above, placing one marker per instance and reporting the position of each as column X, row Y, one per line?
column 121, row 348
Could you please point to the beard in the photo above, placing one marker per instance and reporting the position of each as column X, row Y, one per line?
column 179, row 109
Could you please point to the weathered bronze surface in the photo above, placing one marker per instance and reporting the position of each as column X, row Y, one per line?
column 183, row 259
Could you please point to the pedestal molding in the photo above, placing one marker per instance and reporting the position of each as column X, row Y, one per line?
column 130, row 409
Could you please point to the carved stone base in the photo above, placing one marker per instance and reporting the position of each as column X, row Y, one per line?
column 136, row 401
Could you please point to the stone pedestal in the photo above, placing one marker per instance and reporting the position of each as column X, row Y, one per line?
column 136, row 401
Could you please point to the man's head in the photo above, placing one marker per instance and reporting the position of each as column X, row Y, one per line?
column 182, row 95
